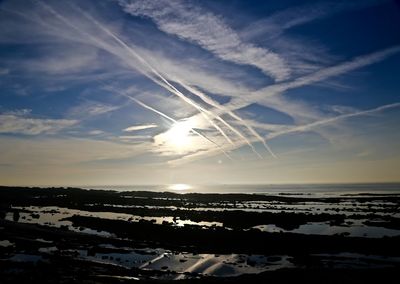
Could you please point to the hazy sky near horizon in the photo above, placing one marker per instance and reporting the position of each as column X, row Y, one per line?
column 154, row 92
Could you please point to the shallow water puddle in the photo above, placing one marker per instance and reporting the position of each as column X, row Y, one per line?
column 189, row 263
column 357, row 229
column 6, row 243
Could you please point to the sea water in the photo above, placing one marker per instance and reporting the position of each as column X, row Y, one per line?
column 274, row 189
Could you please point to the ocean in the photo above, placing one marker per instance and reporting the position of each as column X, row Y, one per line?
column 287, row 189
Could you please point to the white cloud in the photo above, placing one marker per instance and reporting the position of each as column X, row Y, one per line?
column 12, row 123
column 202, row 27
column 135, row 139
column 96, row 132
column 209, row 152
column 19, row 112
column 91, row 108
column 342, row 109
column 272, row 90
column 75, row 27
column 306, row 127
column 70, row 59
column 139, row 127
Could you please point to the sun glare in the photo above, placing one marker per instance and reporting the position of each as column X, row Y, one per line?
column 179, row 186
column 179, row 135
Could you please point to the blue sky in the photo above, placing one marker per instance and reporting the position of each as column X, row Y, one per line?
column 140, row 92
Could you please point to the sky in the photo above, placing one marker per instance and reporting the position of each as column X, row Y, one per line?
column 120, row 92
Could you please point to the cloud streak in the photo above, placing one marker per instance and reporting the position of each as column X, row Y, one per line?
column 323, row 74
column 199, row 26
column 159, row 78
column 17, row 124
column 307, row 127
column 139, row 127
column 154, row 75
column 275, row 24
column 300, row 128
column 208, row 93
column 276, row 89
column 237, row 102
column 90, row 108
column 175, row 121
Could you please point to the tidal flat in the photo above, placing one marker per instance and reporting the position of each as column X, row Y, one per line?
column 64, row 235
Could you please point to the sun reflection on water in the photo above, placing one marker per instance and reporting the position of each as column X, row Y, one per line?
column 179, row 187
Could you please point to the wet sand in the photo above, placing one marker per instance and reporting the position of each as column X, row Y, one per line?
column 72, row 235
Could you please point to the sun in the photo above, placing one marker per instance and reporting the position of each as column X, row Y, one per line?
column 179, row 135
column 180, row 138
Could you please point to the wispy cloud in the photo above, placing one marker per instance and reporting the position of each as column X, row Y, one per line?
column 190, row 128
column 139, row 127
column 66, row 60
column 237, row 102
column 286, row 130
column 214, row 91
column 135, row 137
column 215, row 104
column 91, row 108
column 318, row 76
column 262, row 96
column 96, row 132
column 20, row 124
column 331, row 120
column 125, row 51
column 154, row 75
column 4, row 71
column 192, row 23
column 275, row 24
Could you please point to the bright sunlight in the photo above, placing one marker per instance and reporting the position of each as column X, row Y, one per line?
column 179, row 187
column 179, row 134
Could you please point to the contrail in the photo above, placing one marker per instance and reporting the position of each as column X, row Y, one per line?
column 165, row 83
column 299, row 128
column 332, row 119
column 213, row 103
column 271, row 90
column 174, row 121
column 233, row 115
column 93, row 40
column 322, row 74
